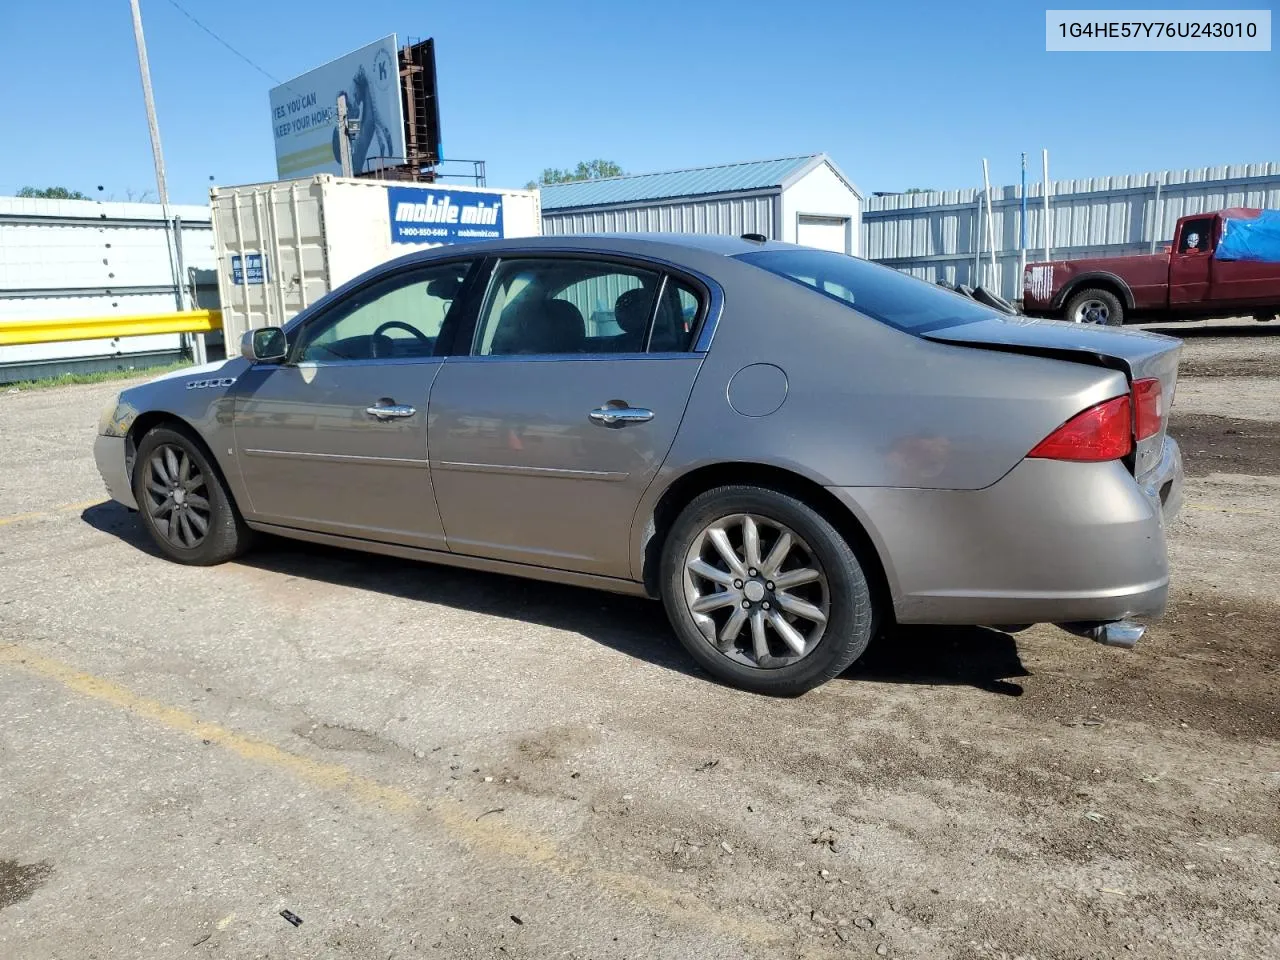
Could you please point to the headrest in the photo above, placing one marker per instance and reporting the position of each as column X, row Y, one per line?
column 631, row 310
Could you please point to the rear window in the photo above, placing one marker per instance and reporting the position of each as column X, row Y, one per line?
column 881, row 293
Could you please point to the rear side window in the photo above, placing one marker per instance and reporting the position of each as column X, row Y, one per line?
column 561, row 305
column 879, row 292
column 675, row 319
column 565, row 306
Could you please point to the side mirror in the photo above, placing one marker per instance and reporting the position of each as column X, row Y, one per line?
column 264, row 345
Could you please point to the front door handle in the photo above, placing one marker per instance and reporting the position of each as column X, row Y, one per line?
column 384, row 410
column 611, row 416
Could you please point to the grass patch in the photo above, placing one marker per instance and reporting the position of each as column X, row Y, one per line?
column 100, row 376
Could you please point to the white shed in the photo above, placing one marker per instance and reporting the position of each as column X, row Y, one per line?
column 805, row 200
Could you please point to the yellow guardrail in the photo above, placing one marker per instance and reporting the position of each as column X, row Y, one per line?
column 14, row 332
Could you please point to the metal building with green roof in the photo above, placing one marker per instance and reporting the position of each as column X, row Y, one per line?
column 805, row 199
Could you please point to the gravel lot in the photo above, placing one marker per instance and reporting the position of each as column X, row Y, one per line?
column 419, row 761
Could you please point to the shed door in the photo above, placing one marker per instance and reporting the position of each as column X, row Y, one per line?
column 825, row 233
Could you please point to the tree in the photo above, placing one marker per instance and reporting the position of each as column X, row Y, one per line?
column 585, row 170
column 51, row 193
column 919, row 190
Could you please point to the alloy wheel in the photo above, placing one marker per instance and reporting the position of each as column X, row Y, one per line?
column 756, row 591
column 177, row 498
column 1092, row 311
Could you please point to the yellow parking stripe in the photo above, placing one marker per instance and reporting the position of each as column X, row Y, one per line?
column 51, row 512
column 492, row 834
column 327, row 775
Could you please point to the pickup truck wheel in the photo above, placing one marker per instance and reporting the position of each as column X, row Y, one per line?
column 1095, row 306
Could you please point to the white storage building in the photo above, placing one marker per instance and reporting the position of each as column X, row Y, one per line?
column 805, row 200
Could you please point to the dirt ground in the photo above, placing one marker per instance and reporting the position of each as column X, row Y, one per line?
column 420, row 761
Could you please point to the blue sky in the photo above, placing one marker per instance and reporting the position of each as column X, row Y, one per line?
column 900, row 94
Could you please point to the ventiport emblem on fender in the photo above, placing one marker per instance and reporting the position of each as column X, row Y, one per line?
column 202, row 384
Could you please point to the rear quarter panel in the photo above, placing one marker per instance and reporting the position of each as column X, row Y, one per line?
column 868, row 405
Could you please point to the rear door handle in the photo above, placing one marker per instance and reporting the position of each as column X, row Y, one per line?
column 620, row 416
column 389, row 411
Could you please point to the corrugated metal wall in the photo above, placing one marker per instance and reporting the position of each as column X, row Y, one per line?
column 935, row 235
column 81, row 258
column 734, row 216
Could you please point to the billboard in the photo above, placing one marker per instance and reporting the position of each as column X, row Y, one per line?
column 439, row 215
column 304, row 113
column 422, row 104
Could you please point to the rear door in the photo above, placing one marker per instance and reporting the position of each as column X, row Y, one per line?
column 1189, row 263
column 335, row 439
column 546, row 431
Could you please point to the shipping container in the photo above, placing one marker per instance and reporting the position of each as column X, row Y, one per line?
column 281, row 246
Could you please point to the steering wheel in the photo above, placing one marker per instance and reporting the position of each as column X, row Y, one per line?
column 381, row 345
column 401, row 325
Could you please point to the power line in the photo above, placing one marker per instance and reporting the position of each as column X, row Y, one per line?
column 177, row 6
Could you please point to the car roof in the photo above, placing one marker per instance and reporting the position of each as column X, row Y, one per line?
column 666, row 245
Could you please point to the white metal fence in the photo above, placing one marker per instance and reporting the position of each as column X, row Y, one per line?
column 82, row 258
column 939, row 235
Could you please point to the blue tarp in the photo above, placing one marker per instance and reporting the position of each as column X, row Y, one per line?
column 1255, row 239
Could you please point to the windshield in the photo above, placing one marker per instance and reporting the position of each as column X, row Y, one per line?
column 881, row 293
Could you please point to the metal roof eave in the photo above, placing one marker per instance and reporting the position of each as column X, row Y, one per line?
column 770, row 191
column 812, row 165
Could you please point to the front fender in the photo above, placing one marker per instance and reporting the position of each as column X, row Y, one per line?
column 200, row 398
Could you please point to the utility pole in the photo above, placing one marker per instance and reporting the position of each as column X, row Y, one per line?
column 173, row 244
column 156, row 153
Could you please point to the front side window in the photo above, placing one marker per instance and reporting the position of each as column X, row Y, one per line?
column 398, row 318
column 563, row 306
column 881, row 293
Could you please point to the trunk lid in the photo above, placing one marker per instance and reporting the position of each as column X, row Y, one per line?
column 1139, row 354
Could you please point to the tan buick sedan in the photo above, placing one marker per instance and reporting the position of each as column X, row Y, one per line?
column 788, row 446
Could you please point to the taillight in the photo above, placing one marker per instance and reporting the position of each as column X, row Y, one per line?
column 1103, row 432
column 1146, row 408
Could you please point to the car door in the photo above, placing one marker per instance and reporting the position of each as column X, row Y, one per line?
column 545, row 434
column 335, row 439
column 1189, row 263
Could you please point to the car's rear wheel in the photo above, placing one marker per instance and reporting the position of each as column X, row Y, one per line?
column 763, row 591
column 1096, row 306
column 183, row 501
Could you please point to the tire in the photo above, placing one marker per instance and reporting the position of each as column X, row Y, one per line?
column 1103, row 305
column 157, row 480
column 722, row 634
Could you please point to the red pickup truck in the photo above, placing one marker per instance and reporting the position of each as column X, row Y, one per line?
column 1185, row 282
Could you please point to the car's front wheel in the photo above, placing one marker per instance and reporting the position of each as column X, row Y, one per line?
column 763, row 591
column 183, row 501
